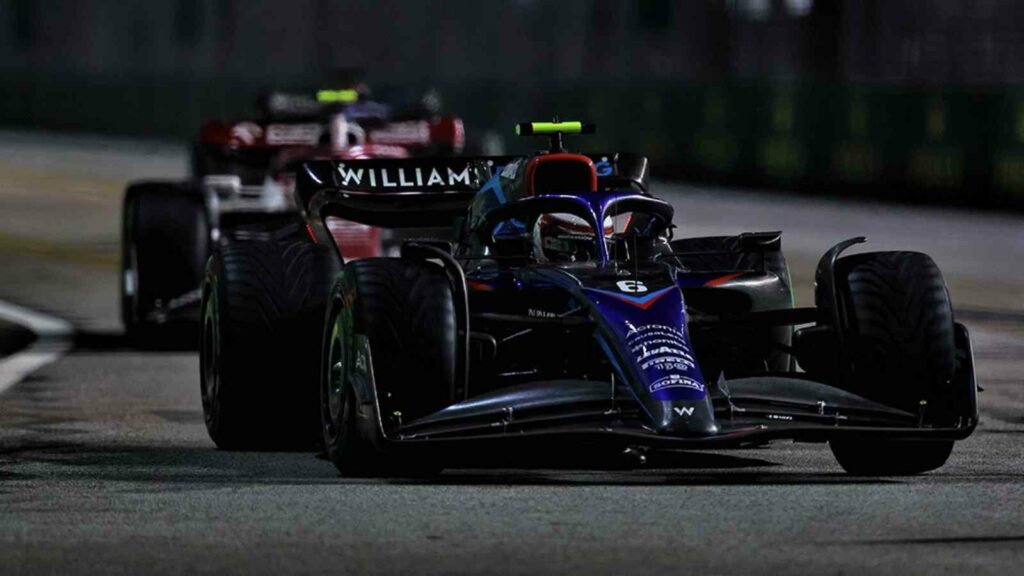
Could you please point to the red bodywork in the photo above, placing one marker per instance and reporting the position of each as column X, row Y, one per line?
column 412, row 135
column 583, row 178
column 587, row 170
column 298, row 141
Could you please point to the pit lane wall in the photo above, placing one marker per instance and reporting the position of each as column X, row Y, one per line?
column 937, row 144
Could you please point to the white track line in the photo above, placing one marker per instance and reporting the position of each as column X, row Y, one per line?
column 53, row 339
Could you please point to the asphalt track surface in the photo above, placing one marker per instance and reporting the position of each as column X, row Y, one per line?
column 105, row 465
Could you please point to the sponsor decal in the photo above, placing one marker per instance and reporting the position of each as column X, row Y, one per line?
column 407, row 133
column 676, row 381
column 293, row 134
column 404, row 177
column 683, row 410
column 666, row 348
column 510, row 171
column 666, row 363
column 604, row 167
column 371, row 151
column 534, row 313
column 631, row 286
column 664, row 355
column 647, row 335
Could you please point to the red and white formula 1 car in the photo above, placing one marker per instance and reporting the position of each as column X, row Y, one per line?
column 241, row 185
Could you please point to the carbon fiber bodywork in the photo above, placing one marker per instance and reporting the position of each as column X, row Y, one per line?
column 628, row 347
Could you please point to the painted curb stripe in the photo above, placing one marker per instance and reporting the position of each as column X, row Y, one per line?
column 53, row 341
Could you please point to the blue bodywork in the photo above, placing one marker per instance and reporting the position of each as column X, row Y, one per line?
column 641, row 319
column 602, row 346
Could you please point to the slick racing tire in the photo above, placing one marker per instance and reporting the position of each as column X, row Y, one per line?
column 724, row 254
column 899, row 350
column 263, row 311
column 164, row 246
column 389, row 356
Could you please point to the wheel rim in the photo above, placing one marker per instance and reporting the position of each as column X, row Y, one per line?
column 209, row 361
column 130, row 286
column 334, row 392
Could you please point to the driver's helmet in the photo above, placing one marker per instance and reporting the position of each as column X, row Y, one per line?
column 566, row 238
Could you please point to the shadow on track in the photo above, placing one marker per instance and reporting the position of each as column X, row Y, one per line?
column 51, row 437
column 198, row 468
column 174, row 467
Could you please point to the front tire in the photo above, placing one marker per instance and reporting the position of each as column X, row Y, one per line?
column 899, row 350
column 389, row 350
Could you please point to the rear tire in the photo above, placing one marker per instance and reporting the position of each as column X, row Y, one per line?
column 164, row 246
column 401, row 314
column 899, row 350
column 263, row 311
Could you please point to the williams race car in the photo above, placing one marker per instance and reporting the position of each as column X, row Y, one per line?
column 242, row 179
column 560, row 306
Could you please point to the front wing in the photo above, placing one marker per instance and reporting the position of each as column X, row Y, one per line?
column 747, row 411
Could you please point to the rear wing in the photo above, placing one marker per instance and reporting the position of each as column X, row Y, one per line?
column 425, row 192
column 394, row 193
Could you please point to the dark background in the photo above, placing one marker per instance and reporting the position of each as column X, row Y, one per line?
column 910, row 99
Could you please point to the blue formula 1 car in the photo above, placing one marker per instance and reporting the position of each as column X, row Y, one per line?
column 555, row 303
